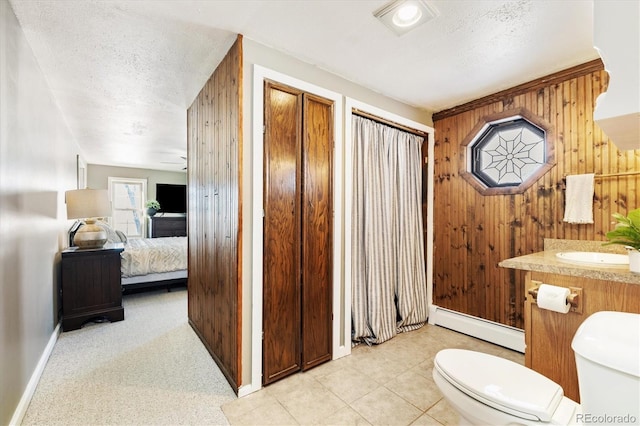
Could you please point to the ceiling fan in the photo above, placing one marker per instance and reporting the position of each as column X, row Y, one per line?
column 174, row 162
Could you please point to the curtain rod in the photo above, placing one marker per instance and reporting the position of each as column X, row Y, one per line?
column 370, row 116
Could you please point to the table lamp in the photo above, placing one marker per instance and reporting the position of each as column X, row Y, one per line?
column 88, row 204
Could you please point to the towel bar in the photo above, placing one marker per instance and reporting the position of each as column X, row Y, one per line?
column 608, row 175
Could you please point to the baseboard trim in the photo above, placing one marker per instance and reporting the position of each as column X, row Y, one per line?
column 499, row 334
column 21, row 409
column 247, row 389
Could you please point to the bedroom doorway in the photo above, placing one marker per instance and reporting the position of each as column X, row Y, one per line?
column 298, row 231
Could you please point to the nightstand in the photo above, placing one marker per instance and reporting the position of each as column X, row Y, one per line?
column 91, row 286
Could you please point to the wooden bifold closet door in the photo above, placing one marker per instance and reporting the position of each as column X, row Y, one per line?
column 298, row 224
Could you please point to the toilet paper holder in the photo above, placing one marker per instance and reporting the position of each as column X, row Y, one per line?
column 574, row 298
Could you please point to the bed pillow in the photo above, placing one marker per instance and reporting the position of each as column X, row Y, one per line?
column 120, row 234
column 112, row 236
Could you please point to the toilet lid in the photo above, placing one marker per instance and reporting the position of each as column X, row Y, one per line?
column 500, row 383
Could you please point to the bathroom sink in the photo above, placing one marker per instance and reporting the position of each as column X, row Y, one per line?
column 594, row 257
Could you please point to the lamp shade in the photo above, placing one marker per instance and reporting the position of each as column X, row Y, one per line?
column 84, row 203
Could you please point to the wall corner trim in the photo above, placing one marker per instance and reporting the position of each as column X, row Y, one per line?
column 551, row 79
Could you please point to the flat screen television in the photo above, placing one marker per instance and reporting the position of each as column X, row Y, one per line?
column 172, row 197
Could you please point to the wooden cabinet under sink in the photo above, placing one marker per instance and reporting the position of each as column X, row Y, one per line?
column 548, row 334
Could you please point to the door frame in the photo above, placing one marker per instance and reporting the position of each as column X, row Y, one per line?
column 341, row 328
column 350, row 105
column 342, row 206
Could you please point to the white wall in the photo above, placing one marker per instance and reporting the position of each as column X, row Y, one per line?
column 257, row 54
column 37, row 164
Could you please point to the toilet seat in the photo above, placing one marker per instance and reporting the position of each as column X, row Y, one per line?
column 500, row 383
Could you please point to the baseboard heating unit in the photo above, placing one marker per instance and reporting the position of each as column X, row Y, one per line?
column 496, row 333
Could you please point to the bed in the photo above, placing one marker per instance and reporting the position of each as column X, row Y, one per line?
column 154, row 262
column 148, row 262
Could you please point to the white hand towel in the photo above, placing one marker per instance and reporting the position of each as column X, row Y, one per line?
column 579, row 199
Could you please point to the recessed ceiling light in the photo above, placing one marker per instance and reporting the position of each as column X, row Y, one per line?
column 406, row 15
column 402, row 16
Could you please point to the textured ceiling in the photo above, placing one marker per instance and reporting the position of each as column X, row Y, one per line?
column 124, row 72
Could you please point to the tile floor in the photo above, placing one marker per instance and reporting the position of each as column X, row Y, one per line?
column 388, row 384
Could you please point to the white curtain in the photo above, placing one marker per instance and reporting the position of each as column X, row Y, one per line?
column 389, row 291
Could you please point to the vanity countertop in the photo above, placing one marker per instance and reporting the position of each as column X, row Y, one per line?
column 546, row 261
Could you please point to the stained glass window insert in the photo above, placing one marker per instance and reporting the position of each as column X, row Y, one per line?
column 507, row 152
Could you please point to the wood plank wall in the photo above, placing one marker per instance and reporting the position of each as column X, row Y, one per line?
column 214, row 149
column 474, row 232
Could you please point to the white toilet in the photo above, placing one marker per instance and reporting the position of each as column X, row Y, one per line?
column 488, row 390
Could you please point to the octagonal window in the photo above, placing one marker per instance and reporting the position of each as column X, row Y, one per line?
column 507, row 153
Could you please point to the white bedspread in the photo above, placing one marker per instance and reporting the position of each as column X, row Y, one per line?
column 152, row 255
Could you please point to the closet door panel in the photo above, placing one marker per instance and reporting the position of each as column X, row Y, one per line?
column 317, row 229
column 281, row 291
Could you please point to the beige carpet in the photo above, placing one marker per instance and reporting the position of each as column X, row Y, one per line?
column 150, row 368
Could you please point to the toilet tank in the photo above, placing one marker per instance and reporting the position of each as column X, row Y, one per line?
column 607, row 350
